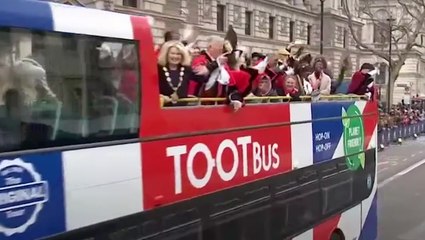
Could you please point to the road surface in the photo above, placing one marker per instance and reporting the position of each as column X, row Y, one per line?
column 401, row 191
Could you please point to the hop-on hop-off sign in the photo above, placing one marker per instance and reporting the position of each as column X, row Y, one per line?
column 22, row 196
column 353, row 137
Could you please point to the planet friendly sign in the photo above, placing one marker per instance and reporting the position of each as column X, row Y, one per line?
column 353, row 137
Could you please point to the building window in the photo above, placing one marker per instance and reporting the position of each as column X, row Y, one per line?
column 380, row 33
column 291, row 31
column 248, row 22
column 271, row 27
column 129, row 3
column 221, row 9
column 308, row 34
column 344, row 39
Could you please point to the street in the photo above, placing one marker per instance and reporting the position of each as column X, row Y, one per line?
column 401, row 191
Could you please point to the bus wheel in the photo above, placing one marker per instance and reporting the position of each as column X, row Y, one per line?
column 337, row 235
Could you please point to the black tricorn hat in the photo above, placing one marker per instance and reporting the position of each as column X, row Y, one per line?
column 230, row 44
column 231, row 40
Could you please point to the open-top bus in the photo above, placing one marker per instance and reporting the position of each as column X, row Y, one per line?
column 88, row 160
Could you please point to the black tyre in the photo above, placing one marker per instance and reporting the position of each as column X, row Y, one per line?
column 337, row 235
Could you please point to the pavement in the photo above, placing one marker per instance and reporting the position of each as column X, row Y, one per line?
column 401, row 191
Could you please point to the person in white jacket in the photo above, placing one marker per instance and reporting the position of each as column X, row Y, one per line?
column 319, row 80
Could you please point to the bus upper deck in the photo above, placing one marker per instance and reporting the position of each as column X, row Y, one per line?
column 91, row 149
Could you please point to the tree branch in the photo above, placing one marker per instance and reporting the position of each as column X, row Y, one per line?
column 405, row 30
column 359, row 44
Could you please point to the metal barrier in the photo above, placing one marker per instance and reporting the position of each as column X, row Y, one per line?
column 194, row 101
column 386, row 136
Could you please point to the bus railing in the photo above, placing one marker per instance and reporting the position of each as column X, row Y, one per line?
column 194, row 101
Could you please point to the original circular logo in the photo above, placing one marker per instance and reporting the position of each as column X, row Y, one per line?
column 353, row 137
column 22, row 196
column 369, row 181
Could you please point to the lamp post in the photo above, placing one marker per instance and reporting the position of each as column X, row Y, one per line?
column 390, row 49
column 321, row 25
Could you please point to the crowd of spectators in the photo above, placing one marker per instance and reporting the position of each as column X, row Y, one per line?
column 401, row 115
column 225, row 70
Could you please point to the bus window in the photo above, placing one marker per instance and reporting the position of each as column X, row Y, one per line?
column 64, row 89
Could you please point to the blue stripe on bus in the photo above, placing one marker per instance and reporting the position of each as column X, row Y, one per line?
column 32, row 194
column 26, row 14
column 370, row 226
column 326, row 134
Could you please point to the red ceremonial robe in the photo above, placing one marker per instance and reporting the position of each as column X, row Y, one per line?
column 203, row 59
column 294, row 93
column 241, row 83
column 356, row 83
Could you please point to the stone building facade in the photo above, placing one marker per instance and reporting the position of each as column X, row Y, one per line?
column 267, row 25
column 262, row 26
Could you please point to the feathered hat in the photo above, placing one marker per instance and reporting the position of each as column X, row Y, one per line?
column 230, row 47
column 303, row 63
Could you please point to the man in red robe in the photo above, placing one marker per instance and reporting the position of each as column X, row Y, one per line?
column 359, row 81
column 204, row 64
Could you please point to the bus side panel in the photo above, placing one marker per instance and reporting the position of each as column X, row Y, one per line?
column 302, row 135
column 324, row 230
column 370, row 120
column 328, row 134
column 369, row 205
column 328, row 143
column 370, row 223
column 183, row 168
column 102, row 183
column 331, row 137
column 32, row 201
column 370, row 212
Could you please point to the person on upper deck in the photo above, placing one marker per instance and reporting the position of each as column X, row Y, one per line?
column 290, row 89
column 206, row 63
column 168, row 36
column 302, row 72
column 256, row 58
column 319, row 80
column 359, row 81
column 264, row 88
column 174, row 72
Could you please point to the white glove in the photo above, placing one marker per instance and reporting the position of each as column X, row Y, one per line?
column 369, row 95
column 373, row 72
column 236, row 105
column 261, row 67
column 290, row 71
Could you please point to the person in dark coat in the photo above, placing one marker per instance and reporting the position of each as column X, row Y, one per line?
column 174, row 73
column 360, row 80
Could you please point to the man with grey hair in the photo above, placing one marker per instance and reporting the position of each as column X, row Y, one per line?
column 204, row 64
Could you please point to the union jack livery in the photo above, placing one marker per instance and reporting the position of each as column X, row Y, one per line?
column 100, row 158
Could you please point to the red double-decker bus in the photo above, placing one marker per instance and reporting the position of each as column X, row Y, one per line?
column 87, row 161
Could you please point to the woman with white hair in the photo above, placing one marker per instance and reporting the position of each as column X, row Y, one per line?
column 174, row 72
column 31, row 79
